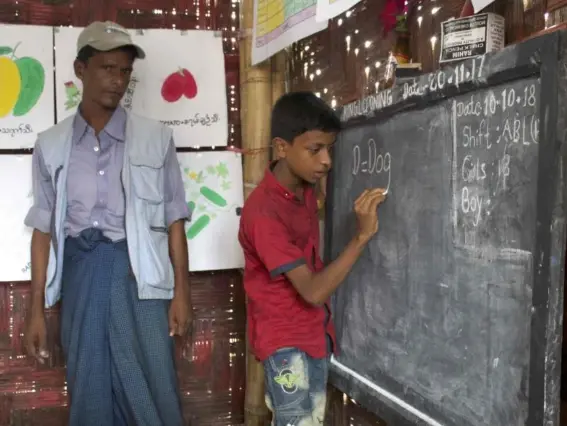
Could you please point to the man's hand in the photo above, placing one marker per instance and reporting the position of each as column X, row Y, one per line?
column 36, row 336
column 180, row 312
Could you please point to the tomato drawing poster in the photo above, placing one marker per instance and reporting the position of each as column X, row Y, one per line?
column 15, row 201
column 182, row 82
column 26, row 84
column 214, row 192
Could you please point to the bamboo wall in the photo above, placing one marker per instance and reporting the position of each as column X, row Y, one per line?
column 212, row 368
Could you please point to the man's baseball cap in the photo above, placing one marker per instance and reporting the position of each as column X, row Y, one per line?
column 105, row 36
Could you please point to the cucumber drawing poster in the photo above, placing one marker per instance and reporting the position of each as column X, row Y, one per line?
column 15, row 201
column 214, row 192
column 26, row 84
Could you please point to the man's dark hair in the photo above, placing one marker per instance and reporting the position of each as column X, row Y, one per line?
column 299, row 112
column 88, row 52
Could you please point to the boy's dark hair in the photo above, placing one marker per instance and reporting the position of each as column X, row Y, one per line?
column 299, row 112
column 88, row 52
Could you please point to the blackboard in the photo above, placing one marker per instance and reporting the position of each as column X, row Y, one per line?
column 452, row 315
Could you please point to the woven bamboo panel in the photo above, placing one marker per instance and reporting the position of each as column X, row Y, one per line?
column 211, row 366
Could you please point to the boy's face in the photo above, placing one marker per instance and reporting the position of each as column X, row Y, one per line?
column 309, row 155
column 106, row 76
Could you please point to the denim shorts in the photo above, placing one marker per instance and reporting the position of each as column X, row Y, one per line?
column 296, row 388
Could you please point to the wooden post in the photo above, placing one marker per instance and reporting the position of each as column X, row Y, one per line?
column 255, row 107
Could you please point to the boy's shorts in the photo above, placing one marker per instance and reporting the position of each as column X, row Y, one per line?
column 296, row 388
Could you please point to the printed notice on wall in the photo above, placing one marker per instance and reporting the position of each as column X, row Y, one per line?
column 470, row 37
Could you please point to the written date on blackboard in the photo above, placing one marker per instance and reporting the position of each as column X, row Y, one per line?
column 496, row 133
column 444, row 78
column 419, row 87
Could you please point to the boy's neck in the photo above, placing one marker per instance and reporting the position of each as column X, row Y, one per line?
column 287, row 179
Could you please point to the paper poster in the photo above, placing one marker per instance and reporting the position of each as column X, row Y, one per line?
column 328, row 9
column 26, row 84
column 15, row 201
column 182, row 82
column 279, row 23
column 214, row 191
column 175, row 84
column 68, row 88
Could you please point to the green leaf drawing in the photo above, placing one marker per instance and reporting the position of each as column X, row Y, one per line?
column 200, row 177
column 225, row 186
column 222, row 170
column 211, row 170
column 5, row 50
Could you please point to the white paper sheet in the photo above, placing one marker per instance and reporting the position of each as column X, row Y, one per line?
column 214, row 187
column 26, row 84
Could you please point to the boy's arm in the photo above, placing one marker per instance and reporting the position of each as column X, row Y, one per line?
column 282, row 256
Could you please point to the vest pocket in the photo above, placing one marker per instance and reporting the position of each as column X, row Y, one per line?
column 147, row 183
column 147, row 179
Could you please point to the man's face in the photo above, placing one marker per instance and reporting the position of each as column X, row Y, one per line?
column 106, row 76
column 309, row 156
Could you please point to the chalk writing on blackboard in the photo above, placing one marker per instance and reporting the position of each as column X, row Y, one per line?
column 494, row 132
column 369, row 160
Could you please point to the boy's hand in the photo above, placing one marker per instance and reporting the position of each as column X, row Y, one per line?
column 366, row 209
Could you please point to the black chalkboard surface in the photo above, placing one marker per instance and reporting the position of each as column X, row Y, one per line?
column 452, row 316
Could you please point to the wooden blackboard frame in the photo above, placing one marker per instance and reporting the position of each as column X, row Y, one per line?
column 545, row 56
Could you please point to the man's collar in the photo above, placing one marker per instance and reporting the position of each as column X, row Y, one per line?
column 116, row 126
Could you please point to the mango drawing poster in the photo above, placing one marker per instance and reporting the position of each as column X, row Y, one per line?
column 15, row 201
column 215, row 193
column 26, row 84
column 182, row 83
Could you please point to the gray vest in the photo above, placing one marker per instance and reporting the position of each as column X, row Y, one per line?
column 147, row 142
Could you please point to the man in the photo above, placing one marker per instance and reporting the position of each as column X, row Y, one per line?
column 109, row 242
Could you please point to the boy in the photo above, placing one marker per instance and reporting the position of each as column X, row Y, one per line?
column 289, row 324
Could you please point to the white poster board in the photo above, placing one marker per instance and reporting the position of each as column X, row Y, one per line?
column 15, row 201
column 214, row 190
column 181, row 82
column 26, row 84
